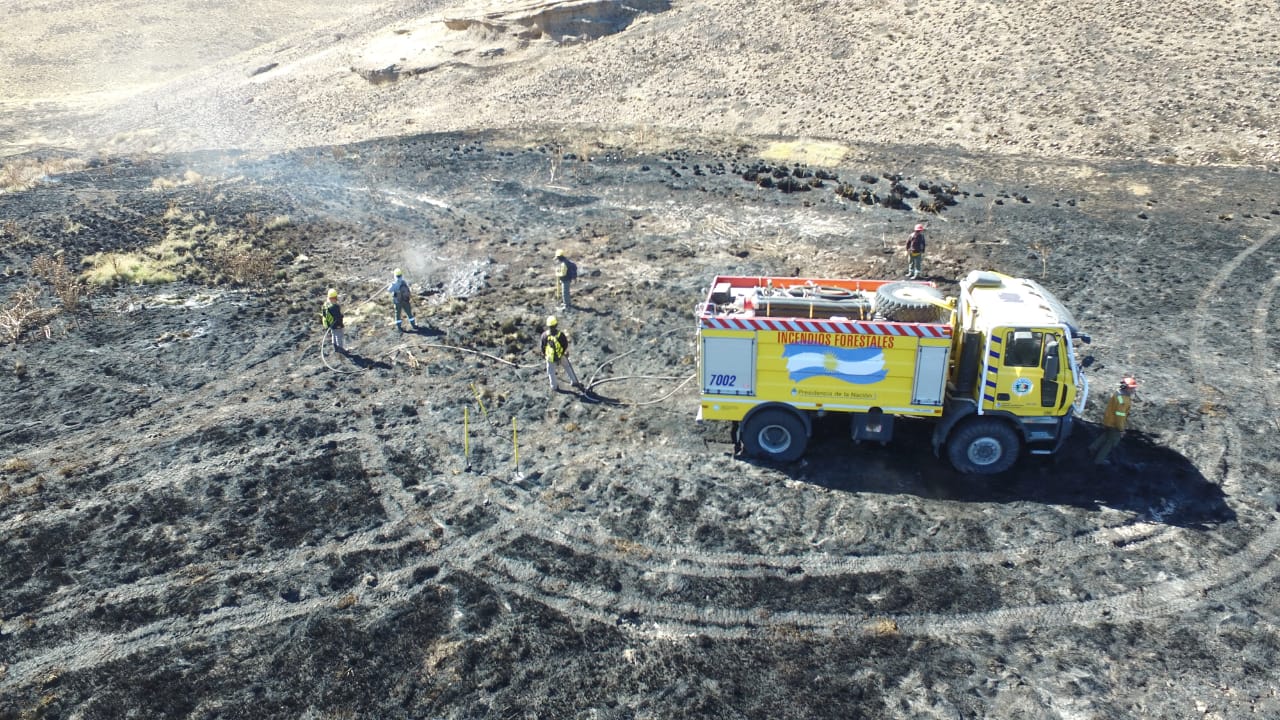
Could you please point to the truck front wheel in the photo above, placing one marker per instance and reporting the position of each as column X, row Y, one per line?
column 983, row 446
column 775, row 435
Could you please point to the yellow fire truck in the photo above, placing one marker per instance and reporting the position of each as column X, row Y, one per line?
column 995, row 367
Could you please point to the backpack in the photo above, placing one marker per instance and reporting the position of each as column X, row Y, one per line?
column 570, row 269
column 402, row 293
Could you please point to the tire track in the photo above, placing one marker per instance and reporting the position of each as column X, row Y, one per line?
column 1238, row 571
column 656, row 617
column 1228, row 437
column 711, row 564
column 93, row 649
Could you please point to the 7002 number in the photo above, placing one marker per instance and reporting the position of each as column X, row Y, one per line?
column 723, row 380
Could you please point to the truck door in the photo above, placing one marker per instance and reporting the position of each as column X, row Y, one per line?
column 729, row 363
column 1020, row 382
column 931, row 375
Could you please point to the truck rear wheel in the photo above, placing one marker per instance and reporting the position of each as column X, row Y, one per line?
column 983, row 446
column 774, row 434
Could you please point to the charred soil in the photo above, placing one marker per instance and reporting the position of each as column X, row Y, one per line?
column 207, row 512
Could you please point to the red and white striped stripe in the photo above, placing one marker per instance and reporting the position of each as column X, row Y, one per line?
column 847, row 327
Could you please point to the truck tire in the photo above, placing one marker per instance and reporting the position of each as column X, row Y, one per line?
column 774, row 434
column 906, row 302
column 983, row 446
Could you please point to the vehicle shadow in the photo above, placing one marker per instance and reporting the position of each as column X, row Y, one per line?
column 1152, row 481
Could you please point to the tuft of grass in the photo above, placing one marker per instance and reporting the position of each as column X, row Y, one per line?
column 167, row 261
column 107, row 269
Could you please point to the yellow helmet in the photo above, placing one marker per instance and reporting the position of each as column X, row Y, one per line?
column 398, row 273
column 560, row 253
column 551, row 321
column 333, row 293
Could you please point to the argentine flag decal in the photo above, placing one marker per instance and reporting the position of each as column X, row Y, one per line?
column 859, row 366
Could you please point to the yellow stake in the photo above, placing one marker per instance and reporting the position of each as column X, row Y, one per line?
column 481, row 401
column 466, row 436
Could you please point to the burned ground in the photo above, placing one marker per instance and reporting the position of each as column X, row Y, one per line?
column 205, row 513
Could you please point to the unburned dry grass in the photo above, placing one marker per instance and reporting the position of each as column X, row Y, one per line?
column 25, row 173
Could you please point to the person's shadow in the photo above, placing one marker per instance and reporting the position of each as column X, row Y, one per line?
column 363, row 362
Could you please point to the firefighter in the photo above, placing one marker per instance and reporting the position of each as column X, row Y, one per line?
column 915, row 252
column 555, row 348
column 1114, row 420
column 331, row 316
column 566, row 272
column 401, row 296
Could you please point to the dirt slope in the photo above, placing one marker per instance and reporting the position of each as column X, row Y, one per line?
column 206, row 514
column 1181, row 82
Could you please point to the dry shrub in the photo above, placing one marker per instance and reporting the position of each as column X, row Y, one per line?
column 1042, row 251
column 69, row 288
column 173, row 211
column 21, row 312
column 246, row 265
column 25, row 173
column 278, row 221
column 884, row 627
column 190, row 177
column 630, row 547
column 17, row 466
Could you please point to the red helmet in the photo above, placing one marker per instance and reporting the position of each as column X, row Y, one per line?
column 919, row 227
column 1129, row 382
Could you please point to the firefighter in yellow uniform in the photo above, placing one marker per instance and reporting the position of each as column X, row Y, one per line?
column 1114, row 421
column 555, row 348
column 331, row 317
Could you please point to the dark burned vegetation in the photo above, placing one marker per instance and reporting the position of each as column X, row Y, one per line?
column 201, row 515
